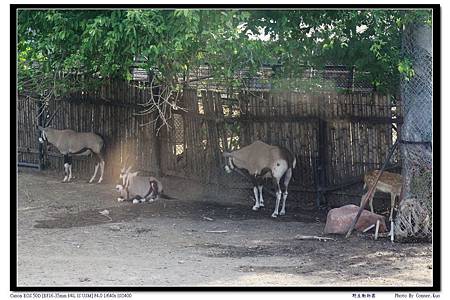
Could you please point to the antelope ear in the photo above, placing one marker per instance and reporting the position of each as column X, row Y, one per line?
column 226, row 154
column 129, row 169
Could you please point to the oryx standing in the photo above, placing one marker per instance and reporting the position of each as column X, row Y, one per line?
column 70, row 142
column 262, row 160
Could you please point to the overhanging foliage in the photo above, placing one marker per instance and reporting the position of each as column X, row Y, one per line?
column 64, row 50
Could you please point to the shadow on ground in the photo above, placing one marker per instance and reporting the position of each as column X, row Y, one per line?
column 171, row 209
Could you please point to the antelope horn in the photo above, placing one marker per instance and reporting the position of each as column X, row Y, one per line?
column 40, row 112
column 126, row 161
column 51, row 118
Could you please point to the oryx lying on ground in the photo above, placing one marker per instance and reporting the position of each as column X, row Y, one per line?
column 70, row 142
column 262, row 160
column 136, row 188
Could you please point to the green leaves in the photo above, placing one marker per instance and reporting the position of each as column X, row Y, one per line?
column 105, row 42
column 367, row 39
column 405, row 68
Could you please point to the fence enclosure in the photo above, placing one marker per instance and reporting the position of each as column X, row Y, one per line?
column 336, row 137
column 415, row 216
column 109, row 112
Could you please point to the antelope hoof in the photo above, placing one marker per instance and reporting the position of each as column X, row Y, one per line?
column 136, row 201
column 274, row 215
column 282, row 213
column 120, row 199
column 65, row 179
column 255, row 208
column 92, row 179
column 261, row 205
column 100, row 180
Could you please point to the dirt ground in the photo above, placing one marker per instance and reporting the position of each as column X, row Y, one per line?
column 200, row 239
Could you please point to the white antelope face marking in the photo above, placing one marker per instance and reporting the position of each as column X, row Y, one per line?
column 43, row 137
column 123, row 177
column 229, row 166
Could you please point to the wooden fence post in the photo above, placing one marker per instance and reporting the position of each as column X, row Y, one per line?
column 40, row 121
column 322, row 140
column 158, row 140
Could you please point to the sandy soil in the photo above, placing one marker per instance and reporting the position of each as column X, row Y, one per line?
column 200, row 239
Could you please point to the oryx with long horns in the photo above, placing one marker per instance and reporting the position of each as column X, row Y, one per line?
column 261, row 160
column 70, row 142
column 137, row 189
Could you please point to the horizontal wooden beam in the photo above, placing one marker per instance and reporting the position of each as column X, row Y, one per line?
column 292, row 118
column 28, row 165
column 53, row 154
column 100, row 101
column 303, row 118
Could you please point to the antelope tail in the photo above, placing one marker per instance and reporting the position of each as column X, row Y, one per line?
column 103, row 150
column 164, row 196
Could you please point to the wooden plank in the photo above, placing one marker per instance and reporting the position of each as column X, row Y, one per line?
column 188, row 155
column 330, row 152
column 343, row 150
column 82, row 120
column 347, row 151
column 194, row 129
column 289, row 129
column 280, row 115
column 340, row 167
column 264, row 110
column 339, row 103
column 285, row 127
column 296, row 138
column 222, row 125
column 257, row 127
column 209, row 99
column 353, row 142
column 275, row 126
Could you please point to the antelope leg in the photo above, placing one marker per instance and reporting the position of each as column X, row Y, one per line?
column 392, row 206
column 70, row 172
column 95, row 172
column 102, row 169
column 261, row 200
column 277, row 204
column 283, row 210
column 255, row 191
column 287, row 179
column 66, row 172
